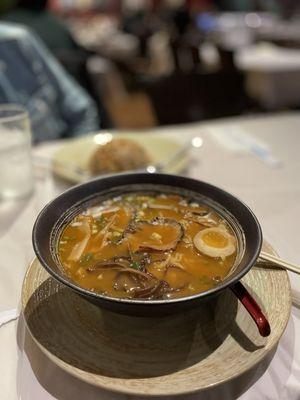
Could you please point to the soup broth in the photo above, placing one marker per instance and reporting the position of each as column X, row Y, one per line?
column 147, row 246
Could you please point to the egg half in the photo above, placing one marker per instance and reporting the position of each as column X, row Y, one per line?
column 215, row 242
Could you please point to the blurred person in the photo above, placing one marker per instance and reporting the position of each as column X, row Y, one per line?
column 56, row 36
column 34, row 14
column 30, row 75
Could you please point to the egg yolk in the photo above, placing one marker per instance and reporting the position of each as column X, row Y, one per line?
column 215, row 239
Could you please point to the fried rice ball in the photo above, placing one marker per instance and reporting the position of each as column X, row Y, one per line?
column 118, row 155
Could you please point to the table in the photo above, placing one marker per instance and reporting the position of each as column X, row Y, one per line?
column 272, row 193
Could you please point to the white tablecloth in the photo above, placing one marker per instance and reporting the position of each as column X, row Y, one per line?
column 272, row 193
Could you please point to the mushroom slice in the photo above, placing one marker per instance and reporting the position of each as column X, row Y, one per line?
column 205, row 220
column 215, row 242
column 196, row 209
column 126, row 282
column 160, row 234
column 114, row 263
column 154, row 291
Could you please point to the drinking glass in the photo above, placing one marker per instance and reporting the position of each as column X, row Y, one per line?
column 16, row 175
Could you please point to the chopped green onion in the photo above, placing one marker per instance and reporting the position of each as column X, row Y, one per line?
column 86, row 258
column 135, row 265
column 100, row 221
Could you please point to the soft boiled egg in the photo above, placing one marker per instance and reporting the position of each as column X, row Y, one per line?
column 215, row 242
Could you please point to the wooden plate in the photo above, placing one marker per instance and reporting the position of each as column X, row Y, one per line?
column 76, row 153
column 154, row 356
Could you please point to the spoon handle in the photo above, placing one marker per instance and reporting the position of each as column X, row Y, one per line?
column 195, row 142
column 279, row 263
column 174, row 157
column 252, row 307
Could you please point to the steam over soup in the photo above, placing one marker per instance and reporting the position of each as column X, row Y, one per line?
column 147, row 246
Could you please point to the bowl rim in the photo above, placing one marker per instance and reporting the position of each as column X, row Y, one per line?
column 139, row 302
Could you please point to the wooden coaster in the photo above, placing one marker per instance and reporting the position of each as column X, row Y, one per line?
column 172, row 355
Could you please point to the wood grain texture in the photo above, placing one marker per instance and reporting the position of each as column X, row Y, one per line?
column 154, row 356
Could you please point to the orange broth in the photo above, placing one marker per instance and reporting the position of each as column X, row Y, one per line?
column 141, row 246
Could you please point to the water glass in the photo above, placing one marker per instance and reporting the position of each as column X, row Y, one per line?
column 16, row 175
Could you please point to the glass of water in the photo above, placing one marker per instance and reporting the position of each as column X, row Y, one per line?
column 16, row 175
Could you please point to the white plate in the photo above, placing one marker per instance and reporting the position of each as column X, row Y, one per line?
column 73, row 157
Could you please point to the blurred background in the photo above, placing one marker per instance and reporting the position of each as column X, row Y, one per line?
column 148, row 63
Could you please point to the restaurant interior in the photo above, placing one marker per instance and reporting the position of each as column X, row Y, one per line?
column 149, row 199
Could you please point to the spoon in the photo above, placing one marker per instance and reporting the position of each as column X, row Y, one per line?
column 195, row 142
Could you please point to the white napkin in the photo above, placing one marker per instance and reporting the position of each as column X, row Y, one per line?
column 8, row 315
column 236, row 139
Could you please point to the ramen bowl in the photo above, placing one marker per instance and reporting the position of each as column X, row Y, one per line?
column 59, row 212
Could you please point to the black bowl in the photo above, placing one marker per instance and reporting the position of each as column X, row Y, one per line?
column 61, row 210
